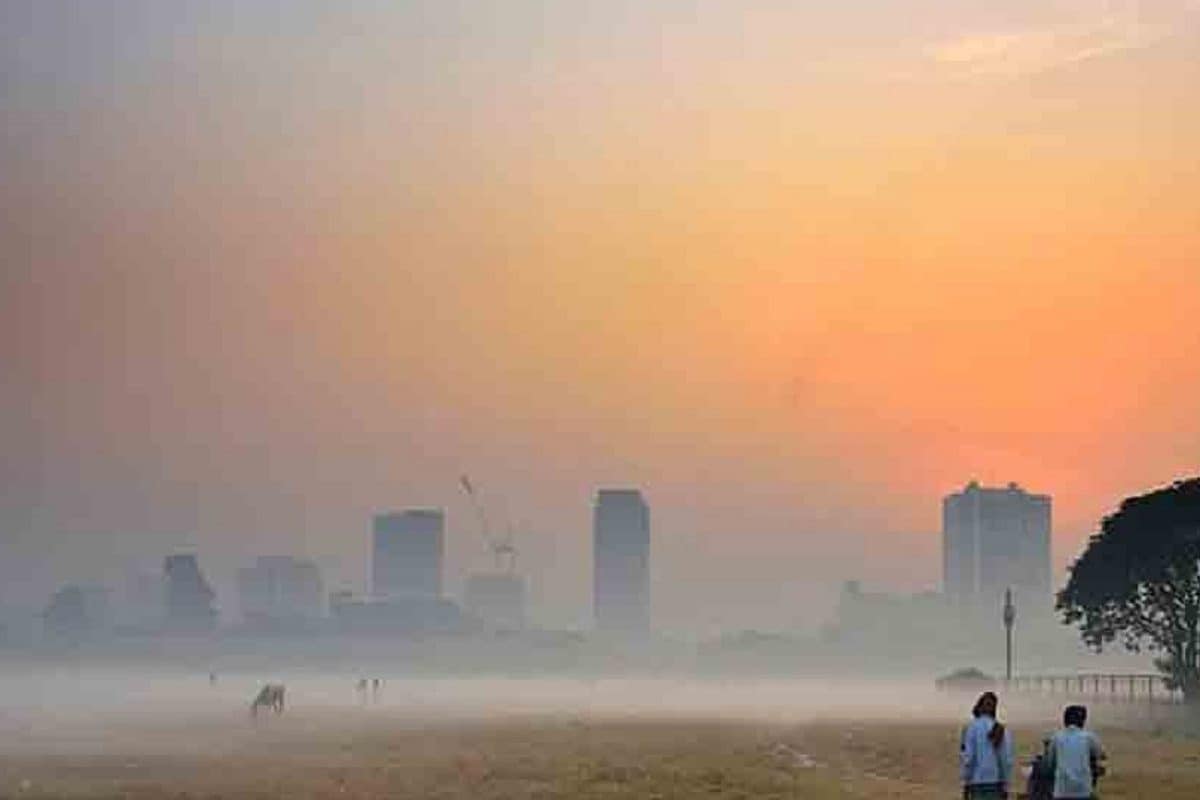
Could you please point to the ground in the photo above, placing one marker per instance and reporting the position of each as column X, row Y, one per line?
column 370, row 753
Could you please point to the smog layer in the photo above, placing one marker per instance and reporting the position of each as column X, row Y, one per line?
column 93, row 734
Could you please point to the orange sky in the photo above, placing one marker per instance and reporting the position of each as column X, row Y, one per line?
column 796, row 272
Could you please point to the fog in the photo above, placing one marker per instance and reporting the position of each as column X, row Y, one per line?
column 266, row 272
column 58, row 710
column 715, row 307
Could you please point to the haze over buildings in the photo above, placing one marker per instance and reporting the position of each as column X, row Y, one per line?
column 993, row 540
column 189, row 600
column 76, row 610
column 280, row 590
column 621, row 562
column 792, row 269
column 406, row 554
column 496, row 598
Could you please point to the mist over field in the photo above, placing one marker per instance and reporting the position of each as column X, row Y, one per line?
column 54, row 701
column 96, row 732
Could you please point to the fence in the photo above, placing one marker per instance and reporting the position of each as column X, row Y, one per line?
column 1122, row 687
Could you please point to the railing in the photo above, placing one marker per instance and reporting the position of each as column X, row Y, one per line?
column 1121, row 687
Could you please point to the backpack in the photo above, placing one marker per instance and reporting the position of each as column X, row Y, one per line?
column 1040, row 785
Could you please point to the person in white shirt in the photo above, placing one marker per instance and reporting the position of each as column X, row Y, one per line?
column 985, row 752
column 1075, row 755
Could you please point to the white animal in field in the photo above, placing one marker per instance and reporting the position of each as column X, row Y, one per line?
column 270, row 697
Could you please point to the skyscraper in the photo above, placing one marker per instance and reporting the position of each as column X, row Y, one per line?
column 406, row 554
column 994, row 539
column 621, row 561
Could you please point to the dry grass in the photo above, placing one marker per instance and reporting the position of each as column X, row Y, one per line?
column 375, row 756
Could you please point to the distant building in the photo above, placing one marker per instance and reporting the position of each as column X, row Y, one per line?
column 621, row 561
column 188, row 597
column 994, row 539
column 414, row 614
column 280, row 590
column 862, row 614
column 77, row 611
column 138, row 602
column 497, row 599
column 406, row 554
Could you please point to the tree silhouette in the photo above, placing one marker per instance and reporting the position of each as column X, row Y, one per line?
column 1138, row 583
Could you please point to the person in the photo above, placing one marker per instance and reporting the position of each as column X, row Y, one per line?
column 1075, row 755
column 985, row 752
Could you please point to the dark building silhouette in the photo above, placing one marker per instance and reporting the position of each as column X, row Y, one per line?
column 280, row 591
column 994, row 539
column 406, row 554
column 621, row 561
column 187, row 595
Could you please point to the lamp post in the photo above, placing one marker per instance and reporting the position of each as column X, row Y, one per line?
column 1010, row 616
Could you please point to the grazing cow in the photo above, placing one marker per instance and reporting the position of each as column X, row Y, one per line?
column 271, row 697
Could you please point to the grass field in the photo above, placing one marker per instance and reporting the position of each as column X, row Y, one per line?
column 360, row 754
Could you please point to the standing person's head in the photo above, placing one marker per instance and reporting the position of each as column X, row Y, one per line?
column 1074, row 716
column 986, row 705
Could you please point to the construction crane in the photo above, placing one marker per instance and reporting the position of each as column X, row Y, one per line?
column 503, row 550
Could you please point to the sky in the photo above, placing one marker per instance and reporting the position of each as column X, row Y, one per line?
column 796, row 272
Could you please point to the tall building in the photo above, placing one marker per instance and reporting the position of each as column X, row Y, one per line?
column 187, row 595
column 280, row 590
column 406, row 554
column 994, row 539
column 621, row 561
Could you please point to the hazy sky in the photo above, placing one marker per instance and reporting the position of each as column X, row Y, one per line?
column 796, row 272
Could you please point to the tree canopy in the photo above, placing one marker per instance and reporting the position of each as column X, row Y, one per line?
column 1138, row 583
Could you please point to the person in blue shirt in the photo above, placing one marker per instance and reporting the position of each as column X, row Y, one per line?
column 1075, row 755
column 985, row 752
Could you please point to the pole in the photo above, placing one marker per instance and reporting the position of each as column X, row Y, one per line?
column 1010, row 616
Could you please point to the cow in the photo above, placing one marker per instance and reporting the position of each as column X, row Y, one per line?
column 270, row 697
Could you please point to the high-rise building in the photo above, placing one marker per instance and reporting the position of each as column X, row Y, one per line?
column 406, row 554
column 188, row 597
column 280, row 590
column 621, row 561
column 995, row 539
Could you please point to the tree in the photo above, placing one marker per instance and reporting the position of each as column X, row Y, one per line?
column 1138, row 583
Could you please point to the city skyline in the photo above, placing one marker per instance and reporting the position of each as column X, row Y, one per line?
column 796, row 271
column 433, row 572
column 993, row 540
